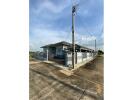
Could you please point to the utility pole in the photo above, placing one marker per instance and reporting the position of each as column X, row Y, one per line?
column 73, row 36
column 95, row 46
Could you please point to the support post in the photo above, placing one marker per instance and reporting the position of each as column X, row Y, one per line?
column 47, row 53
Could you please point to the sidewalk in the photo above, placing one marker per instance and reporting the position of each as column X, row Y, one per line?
column 68, row 70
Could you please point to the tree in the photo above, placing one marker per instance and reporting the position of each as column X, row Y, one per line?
column 100, row 52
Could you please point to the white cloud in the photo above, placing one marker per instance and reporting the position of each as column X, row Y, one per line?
column 46, row 11
column 51, row 7
column 41, row 37
column 84, row 38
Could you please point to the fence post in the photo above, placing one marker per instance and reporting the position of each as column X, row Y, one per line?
column 47, row 54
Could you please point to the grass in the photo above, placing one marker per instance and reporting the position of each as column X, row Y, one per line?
column 31, row 56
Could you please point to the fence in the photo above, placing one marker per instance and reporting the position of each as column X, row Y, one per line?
column 79, row 57
column 40, row 55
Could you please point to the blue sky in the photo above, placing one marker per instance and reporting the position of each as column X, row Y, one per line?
column 50, row 22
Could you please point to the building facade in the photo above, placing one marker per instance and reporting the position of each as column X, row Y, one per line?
column 63, row 50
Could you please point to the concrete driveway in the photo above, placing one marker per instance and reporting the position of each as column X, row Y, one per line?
column 47, row 82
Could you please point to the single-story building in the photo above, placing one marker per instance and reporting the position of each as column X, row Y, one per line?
column 58, row 50
column 63, row 50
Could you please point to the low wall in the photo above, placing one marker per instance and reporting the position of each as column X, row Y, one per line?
column 80, row 57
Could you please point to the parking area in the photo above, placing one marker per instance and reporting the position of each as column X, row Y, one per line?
column 47, row 82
